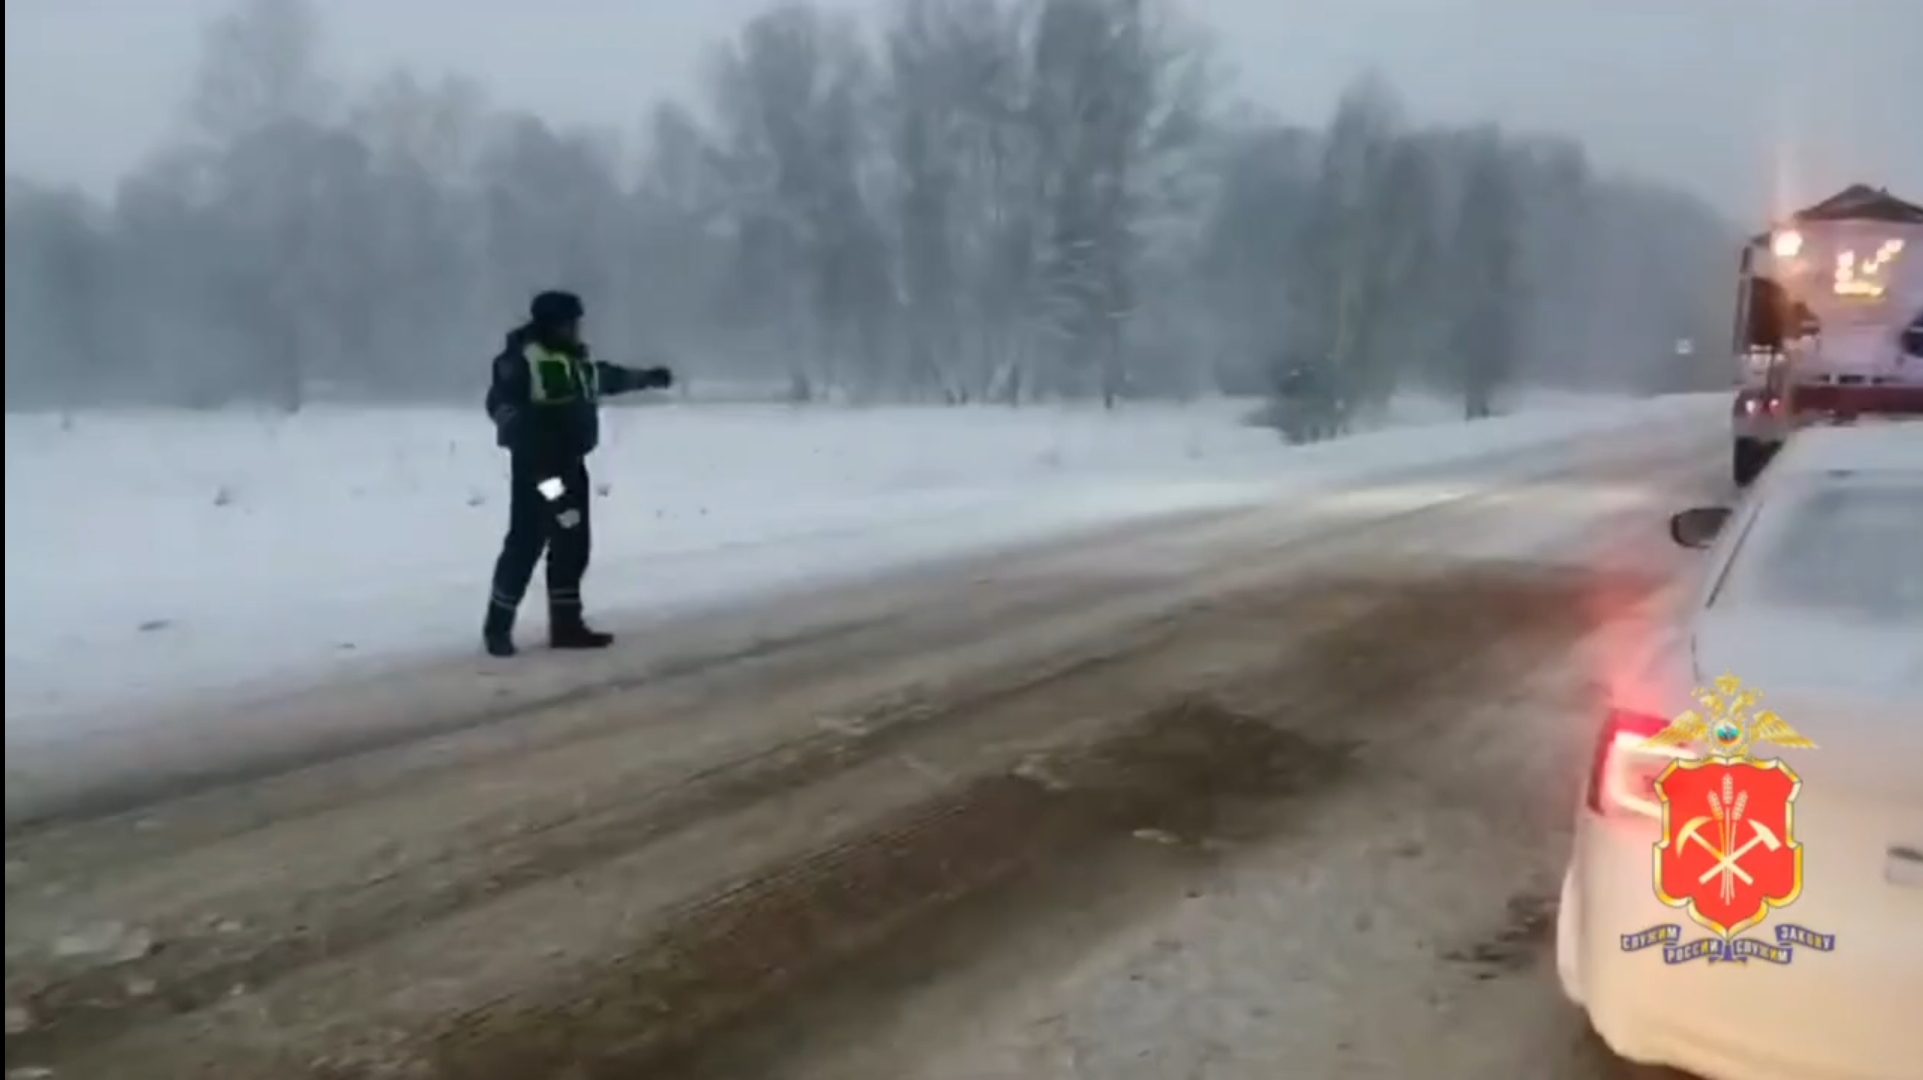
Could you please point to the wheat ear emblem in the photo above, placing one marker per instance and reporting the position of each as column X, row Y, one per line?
column 1728, row 812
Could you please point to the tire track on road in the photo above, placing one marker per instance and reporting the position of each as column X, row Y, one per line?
column 1191, row 769
column 1370, row 682
column 205, row 957
column 1345, row 673
column 1328, row 948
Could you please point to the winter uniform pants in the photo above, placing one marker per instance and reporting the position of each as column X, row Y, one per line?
column 537, row 523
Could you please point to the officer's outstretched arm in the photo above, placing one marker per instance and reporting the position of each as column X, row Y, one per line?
column 616, row 379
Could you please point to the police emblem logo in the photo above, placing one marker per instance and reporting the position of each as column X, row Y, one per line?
column 1728, row 854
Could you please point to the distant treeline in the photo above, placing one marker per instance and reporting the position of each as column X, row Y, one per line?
column 1003, row 200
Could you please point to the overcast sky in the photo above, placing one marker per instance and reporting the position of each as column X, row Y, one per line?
column 1750, row 102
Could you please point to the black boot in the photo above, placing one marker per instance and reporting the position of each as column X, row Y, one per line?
column 497, row 633
column 567, row 630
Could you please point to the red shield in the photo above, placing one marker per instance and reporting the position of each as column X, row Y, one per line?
column 1728, row 851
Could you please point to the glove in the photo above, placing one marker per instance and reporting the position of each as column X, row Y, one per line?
column 654, row 378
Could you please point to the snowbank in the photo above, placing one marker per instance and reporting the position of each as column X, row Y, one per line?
column 161, row 555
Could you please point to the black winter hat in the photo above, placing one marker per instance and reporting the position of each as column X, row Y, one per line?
column 554, row 307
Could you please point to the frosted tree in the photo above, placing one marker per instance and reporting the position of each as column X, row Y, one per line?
column 279, row 182
column 968, row 193
column 1362, row 247
column 928, row 74
column 1107, row 107
column 259, row 66
column 1484, row 260
column 57, row 281
column 425, row 230
column 795, row 103
column 1251, row 246
column 679, row 221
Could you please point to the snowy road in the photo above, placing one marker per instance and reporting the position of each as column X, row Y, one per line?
column 1271, row 792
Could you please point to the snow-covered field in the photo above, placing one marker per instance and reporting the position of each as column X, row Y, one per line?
column 155, row 556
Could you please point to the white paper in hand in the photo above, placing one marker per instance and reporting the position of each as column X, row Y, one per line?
column 551, row 488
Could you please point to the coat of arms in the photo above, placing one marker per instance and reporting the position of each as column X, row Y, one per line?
column 1728, row 853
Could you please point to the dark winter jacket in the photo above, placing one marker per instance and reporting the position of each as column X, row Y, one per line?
column 545, row 400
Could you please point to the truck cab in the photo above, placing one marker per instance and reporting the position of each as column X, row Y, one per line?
column 1829, row 322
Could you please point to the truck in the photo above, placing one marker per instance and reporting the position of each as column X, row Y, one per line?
column 1829, row 322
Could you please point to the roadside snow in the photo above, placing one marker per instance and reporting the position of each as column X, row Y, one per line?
column 157, row 556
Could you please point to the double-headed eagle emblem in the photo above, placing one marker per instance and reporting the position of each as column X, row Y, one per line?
column 1729, row 730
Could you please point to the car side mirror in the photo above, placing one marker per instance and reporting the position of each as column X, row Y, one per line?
column 1698, row 526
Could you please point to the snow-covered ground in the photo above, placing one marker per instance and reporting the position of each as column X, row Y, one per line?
column 156, row 556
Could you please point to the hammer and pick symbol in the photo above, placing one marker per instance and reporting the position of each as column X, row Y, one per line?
column 1692, row 830
column 1727, row 863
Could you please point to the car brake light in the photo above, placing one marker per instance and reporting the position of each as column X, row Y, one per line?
column 1622, row 778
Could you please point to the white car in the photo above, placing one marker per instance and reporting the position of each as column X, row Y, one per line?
column 1812, row 595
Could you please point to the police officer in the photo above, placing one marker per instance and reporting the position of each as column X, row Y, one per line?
column 544, row 402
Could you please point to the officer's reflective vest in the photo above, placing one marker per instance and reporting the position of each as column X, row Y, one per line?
column 556, row 378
